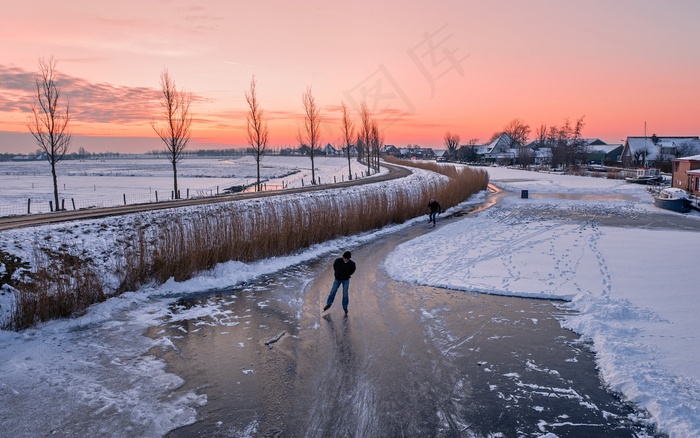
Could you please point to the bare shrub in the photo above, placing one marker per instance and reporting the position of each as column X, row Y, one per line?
column 62, row 285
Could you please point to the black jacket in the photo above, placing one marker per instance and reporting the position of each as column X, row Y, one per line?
column 434, row 207
column 343, row 270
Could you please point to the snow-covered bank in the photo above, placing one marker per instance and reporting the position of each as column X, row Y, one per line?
column 111, row 182
column 633, row 288
column 93, row 375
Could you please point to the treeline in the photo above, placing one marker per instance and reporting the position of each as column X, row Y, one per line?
column 84, row 155
column 565, row 143
column 41, row 156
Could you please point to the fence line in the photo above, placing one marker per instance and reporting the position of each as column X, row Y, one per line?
column 45, row 204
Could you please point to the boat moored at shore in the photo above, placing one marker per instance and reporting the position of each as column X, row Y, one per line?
column 645, row 175
column 673, row 199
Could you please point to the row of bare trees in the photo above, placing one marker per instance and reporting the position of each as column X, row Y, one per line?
column 369, row 139
column 50, row 120
column 49, row 124
column 566, row 142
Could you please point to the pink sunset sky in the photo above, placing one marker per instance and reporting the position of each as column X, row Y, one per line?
column 424, row 68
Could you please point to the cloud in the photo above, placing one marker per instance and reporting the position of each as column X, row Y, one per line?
column 16, row 89
column 89, row 102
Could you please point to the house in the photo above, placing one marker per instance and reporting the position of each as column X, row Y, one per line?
column 652, row 151
column 21, row 158
column 290, row 151
column 593, row 142
column 329, row 150
column 542, row 156
column 441, row 155
column 500, row 150
column 353, row 151
column 685, row 174
column 604, row 154
column 391, row 150
column 417, row 153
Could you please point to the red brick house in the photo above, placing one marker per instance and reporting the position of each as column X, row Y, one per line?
column 686, row 174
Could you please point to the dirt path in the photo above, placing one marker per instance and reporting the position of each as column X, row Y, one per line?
column 408, row 361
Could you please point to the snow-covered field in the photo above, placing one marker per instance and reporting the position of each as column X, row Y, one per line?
column 632, row 288
column 635, row 289
column 106, row 183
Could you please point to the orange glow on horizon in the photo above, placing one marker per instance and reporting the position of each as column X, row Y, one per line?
column 423, row 70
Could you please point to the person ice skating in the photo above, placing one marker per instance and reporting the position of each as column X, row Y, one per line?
column 435, row 209
column 343, row 268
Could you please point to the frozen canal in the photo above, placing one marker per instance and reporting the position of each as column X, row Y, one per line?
column 408, row 361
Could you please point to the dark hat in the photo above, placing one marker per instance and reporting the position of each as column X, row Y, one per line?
column 347, row 255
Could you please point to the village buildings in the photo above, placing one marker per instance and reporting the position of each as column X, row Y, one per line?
column 657, row 151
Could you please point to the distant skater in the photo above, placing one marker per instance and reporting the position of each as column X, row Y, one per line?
column 435, row 209
column 343, row 268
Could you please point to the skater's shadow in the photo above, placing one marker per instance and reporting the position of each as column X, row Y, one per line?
column 342, row 340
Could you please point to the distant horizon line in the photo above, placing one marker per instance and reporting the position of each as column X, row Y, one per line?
column 18, row 143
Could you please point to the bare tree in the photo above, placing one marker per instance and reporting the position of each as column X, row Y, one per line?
column 257, row 128
column 526, row 156
column 567, row 143
column 451, row 143
column 580, row 148
column 366, row 133
column 376, row 140
column 174, row 129
column 360, row 146
column 48, row 122
column 348, row 129
column 686, row 149
column 519, row 131
column 541, row 135
column 494, row 136
column 312, row 128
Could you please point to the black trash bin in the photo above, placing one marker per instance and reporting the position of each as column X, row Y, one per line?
column 523, row 194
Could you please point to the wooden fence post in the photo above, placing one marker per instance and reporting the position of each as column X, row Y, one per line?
column 51, row 205
column 124, row 198
column 29, row 206
column 73, row 201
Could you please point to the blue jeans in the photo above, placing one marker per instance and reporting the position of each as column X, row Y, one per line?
column 334, row 289
column 432, row 216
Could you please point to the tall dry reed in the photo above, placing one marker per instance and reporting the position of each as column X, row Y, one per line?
column 271, row 228
column 62, row 285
